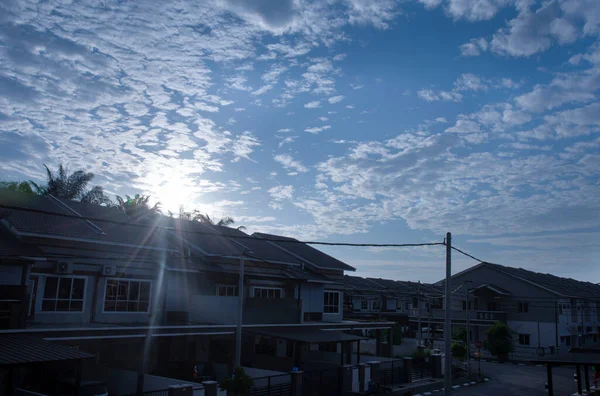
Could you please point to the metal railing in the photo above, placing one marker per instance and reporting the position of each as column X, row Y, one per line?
column 322, row 382
column 273, row 385
column 391, row 373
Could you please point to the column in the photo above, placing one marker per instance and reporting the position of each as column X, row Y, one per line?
column 297, row 389
column 375, row 373
column 358, row 352
column 390, row 343
column 378, row 342
column 346, row 379
column 210, row 388
column 347, row 352
column 362, row 368
column 436, row 366
column 550, row 385
column 579, row 389
column 408, row 369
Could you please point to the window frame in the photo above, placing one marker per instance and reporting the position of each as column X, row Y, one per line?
column 227, row 287
column 150, row 281
column 364, row 304
column 373, row 308
column 70, row 299
column 523, row 338
column 523, row 307
column 337, row 312
column 254, row 288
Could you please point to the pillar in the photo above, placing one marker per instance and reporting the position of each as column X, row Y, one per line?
column 210, row 388
column 390, row 343
column 550, row 385
column 408, row 369
column 297, row 387
column 347, row 346
column 181, row 390
column 346, row 379
column 378, row 342
column 579, row 388
column 436, row 366
column 299, row 354
column 358, row 352
column 362, row 368
column 586, row 375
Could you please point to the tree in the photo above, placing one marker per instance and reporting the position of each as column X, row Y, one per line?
column 17, row 186
column 196, row 215
column 239, row 384
column 138, row 205
column 71, row 186
column 499, row 340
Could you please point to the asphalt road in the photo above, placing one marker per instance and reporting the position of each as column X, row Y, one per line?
column 508, row 379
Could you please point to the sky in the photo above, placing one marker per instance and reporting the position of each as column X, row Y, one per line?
column 336, row 120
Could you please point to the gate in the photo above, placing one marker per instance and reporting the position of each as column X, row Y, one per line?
column 274, row 385
column 322, row 382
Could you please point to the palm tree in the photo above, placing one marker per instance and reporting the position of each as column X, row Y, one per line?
column 196, row 215
column 71, row 186
column 138, row 205
column 17, row 186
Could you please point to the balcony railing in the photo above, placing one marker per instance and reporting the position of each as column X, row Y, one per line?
column 460, row 315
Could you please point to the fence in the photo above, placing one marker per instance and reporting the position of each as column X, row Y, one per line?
column 322, row 382
column 391, row 373
column 273, row 385
column 420, row 370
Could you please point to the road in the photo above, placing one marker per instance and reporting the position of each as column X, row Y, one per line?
column 514, row 380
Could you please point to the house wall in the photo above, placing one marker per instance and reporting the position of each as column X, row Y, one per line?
column 213, row 309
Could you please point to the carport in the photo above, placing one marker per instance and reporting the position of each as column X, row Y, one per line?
column 580, row 357
column 305, row 336
column 21, row 350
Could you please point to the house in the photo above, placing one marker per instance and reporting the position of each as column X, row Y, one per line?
column 544, row 311
column 159, row 295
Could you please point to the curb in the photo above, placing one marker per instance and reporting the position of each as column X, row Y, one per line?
column 465, row 385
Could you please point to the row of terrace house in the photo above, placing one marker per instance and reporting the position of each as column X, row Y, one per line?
column 545, row 312
column 158, row 296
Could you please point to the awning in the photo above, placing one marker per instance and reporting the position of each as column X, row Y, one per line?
column 308, row 335
column 18, row 349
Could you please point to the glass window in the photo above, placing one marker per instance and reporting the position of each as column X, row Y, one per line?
column 63, row 294
column 331, row 302
column 523, row 307
column 364, row 305
column 267, row 292
column 523, row 339
column 376, row 305
column 123, row 295
column 227, row 290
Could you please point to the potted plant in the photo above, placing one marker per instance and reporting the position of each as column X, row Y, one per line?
column 499, row 341
column 239, row 384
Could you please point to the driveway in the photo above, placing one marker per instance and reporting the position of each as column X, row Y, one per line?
column 509, row 379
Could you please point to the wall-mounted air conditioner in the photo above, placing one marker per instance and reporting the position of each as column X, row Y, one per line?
column 64, row 267
column 109, row 270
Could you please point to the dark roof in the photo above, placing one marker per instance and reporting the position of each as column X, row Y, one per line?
column 561, row 286
column 21, row 349
column 308, row 335
column 59, row 226
column 307, row 253
column 10, row 246
column 492, row 287
column 360, row 284
column 258, row 247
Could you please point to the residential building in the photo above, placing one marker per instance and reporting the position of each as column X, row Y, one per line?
column 159, row 295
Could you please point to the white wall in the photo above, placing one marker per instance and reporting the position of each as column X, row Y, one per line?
column 546, row 334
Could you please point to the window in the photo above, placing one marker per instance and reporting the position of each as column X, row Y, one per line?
column 227, row 290
column 406, row 304
column 124, row 295
column 267, row 292
column 63, row 294
column 375, row 305
column 364, row 305
column 399, row 305
column 331, row 302
column 523, row 339
column 523, row 307
column 491, row 306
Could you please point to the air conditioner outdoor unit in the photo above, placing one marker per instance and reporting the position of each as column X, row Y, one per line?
column 64, row 267
column 109, row 270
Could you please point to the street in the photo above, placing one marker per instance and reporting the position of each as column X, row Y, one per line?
column 516, row 380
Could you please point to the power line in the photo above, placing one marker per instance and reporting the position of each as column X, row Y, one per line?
column 468, row 255
column 214, row 234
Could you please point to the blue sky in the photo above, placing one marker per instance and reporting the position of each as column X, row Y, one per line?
column 338, row 120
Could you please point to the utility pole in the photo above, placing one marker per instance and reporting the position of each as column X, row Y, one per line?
column 419, row 330
column 448, row 324
column 468, row 310
column 238, row 332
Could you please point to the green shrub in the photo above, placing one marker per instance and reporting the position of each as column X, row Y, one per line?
column 239, row 383
column 499, row 340
column 458, row 350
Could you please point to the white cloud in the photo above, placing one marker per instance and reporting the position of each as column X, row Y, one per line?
column 263, row 89
column 286, row 140
column 280, row 193
column 430, row 95
column 313, row 105
column 288, row 162
column 335, row 99
column 284, row 130
column 350, row 107
column 474, row 47
column 316, row 130
column 470, row 82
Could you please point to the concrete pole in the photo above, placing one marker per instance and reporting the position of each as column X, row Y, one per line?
column 238, row 333
column 468, row 323
column 419, row 330
column 448, row 324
